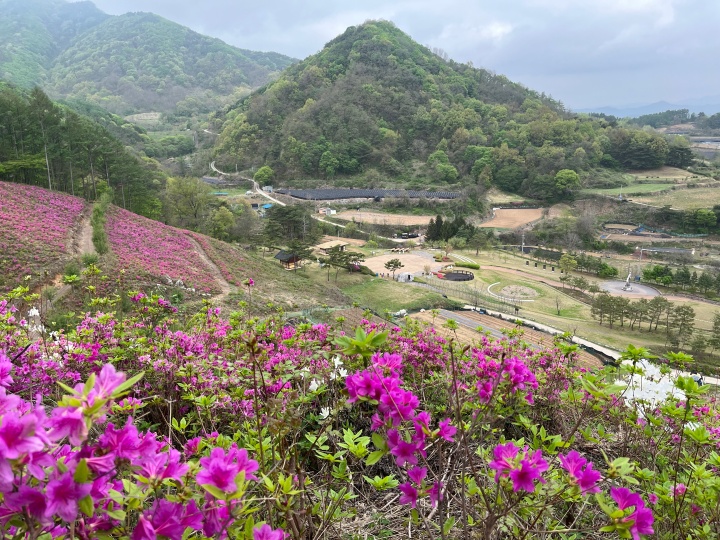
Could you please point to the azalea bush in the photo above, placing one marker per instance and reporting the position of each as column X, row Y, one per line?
column 146, row 248
column 35, row 226
column 255, row 428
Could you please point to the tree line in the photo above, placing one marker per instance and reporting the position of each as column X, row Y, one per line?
column 676, row 321
column 49, row 145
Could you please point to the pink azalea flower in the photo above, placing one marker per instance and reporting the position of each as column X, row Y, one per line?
column 63, row 496
column 265, row 532
column 585, row 476
column 679, row 489
column 18, row 435
column 435, row 493
column 504, row 454
column 404, row 452
column 409, row 494
column 5, row 370
column 68, row 422
column 447, row 431
column 417, row 474
column 524, row 477
column 641, row 517
column 107, row 381
column 220, row 470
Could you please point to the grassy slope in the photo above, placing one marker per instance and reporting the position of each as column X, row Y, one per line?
column 574, row 316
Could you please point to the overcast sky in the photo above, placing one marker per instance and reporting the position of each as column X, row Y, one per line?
column 586, row 53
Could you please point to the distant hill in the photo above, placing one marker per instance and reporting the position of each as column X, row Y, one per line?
column 34, row 32
column 709, row 105
column 375, row 107
column 371, row 98
column 129, row 63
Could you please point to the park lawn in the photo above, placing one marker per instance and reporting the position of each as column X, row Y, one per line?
column 629, row 190
column 663, row 172
column 495, row 196
column 682, row 199
column 575, row 316
column 382, row 294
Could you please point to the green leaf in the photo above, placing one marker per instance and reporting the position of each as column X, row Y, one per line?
column 82, row 472
column 120, row 515
column 86, row 505
column 268, row 484
column 128, row 384
column 448, row 525
column 66, row 388
column 374, row 457
column 379, row 441
column 214, row 491
column 249, row 526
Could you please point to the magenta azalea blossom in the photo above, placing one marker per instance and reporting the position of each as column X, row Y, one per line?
column 585, row 476
column 18, row 436
column 505, row 455
column 642, row 517
column 417, row 474
column 447, row 431
column 404, row 452
column 524, row 477
column 409, row 494
column 267, row 533
column 68, row 422
column 107, row 381
column 220, row 470
column 5, row 370
column 63, row 496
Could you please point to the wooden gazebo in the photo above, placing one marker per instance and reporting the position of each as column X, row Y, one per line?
column 289, row 260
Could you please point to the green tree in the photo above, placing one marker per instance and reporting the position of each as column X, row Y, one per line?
column 393, row 265
column 567, row 180
column 714, row 340
column 187, row 201
column 264, row 175
column 221, row 223
column 567, row 263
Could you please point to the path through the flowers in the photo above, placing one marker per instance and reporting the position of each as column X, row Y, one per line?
column 225, row 287
column 83, row 242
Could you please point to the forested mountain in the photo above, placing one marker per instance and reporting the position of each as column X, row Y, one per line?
column 374, row 100
column 48, row 145
column 129, row 63
column 140, row 61
column 34, row 32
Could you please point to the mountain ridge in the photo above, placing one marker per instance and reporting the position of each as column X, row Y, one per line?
column 127, row 63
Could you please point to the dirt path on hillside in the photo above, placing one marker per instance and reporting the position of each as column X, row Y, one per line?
column 83, row 242
column 225, row 287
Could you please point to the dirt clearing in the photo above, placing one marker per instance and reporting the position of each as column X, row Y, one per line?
column 508, row 218
column 413, row 262
column 377, row 218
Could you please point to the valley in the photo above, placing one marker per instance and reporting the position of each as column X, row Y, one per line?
column 375, row 292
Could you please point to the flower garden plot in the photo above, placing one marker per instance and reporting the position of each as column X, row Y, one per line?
column 227, row 258
column 150, row 251
column 35, row 226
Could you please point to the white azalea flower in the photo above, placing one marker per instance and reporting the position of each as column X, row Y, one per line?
column 313, row 385
column 34, row 312
column 324, row 412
